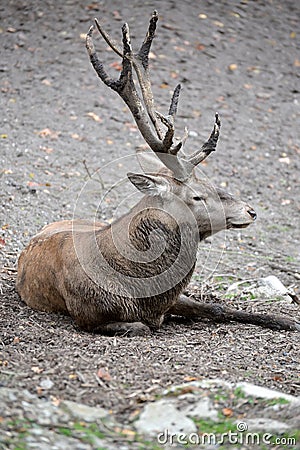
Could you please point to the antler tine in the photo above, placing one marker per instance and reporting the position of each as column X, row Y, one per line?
column 175, row 149
column 140, row 63
column 143, row 53
column 97, row 64
column 174, row 101
column 108, row 39
column 169, row 123
column 209, row 146
column 124, row 86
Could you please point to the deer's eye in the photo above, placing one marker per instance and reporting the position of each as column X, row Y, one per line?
column 198, row 198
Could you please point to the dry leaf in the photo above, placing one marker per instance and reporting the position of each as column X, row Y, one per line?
column 235, row 14
column 47, row 82
column 73, row 376
column 293, row 35
column 227, row 412
column 297, row 62
column 200, row 47
column 202, row 16
column 93, row 6
column 117, row 15
column 179, row 48
column 103, row 374
column 132, row 127
column 77, row 137
column 128, row 432
column 116, row 65
column 134, row 415
column 218, row 23
column 2, row 242
column 46, row 132
column 187, row 390
column 55, row 401
column 232, row 67
column 164, row 85
column 189, row 378
column 39, row 390
column 94, row 116
column 253, row 69
column 46, row 149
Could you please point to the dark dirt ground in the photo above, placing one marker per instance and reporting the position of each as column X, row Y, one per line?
column 238, row 58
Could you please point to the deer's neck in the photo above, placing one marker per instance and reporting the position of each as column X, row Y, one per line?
column 148, row 240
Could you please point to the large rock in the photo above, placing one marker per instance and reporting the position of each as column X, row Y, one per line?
column 162, row 416
column 265, row 393
column 202, row 409
column 268, row 425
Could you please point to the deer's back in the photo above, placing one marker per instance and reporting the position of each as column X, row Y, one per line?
column 42, row 264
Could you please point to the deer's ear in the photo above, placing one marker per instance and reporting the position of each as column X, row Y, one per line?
column 150, row 184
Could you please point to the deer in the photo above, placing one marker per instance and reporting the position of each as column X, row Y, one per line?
column 126, row 277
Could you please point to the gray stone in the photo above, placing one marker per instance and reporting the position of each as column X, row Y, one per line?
column 215, row 382
column 203, row 384
column 46, row 383
column 266, row 393
column 290, row 412
column 267, row 425
column 202, row 409
column 268, row 287
column 163, row 415
column 84, row 412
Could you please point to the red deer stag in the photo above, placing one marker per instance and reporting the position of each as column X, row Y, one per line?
column 125, row 277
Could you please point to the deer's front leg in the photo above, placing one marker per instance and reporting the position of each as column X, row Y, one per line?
column 187, row 307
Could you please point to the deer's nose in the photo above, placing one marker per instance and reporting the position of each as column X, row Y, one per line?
column 252, row 213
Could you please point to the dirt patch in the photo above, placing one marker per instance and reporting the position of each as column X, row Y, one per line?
column 60, row 123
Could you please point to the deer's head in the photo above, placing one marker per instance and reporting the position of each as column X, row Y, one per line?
column 169, row 173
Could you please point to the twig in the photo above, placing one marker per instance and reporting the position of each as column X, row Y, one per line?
column 9, row 269
column 87, row 169
column 100, row 382
column 80, row 376
column 91, row 176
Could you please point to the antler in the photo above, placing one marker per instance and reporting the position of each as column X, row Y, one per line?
column 162, row 144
